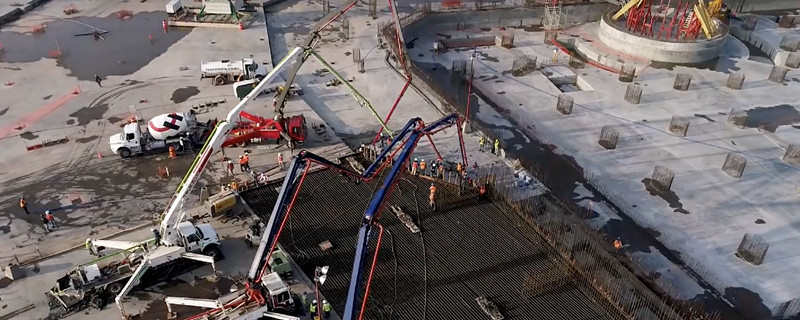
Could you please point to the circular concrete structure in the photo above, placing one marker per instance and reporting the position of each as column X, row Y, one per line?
column 618, row 38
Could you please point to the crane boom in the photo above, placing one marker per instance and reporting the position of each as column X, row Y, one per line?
column 174, row 215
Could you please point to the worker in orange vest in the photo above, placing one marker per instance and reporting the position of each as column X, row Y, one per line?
column 241, row 164
column 23, row 204
column 230, row 167
column 234, row 185
column 422, row 166
column 618, row 244
column 432, row 197
column 459, row 168
column 483, row 191
column 414, row 167
column 280, row 160
column 246, row 158
column 172, row 153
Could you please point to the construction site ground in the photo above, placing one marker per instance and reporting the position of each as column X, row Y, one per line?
column 467, row 248
column 708, row 212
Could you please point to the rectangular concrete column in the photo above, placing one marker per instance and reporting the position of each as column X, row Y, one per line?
column 633, row 94
column 778, row 74
column 735, row 81
column 564, row 104
column 679, row 126
column 682, row 82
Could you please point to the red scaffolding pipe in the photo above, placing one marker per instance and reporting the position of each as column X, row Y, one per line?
column 405, row 70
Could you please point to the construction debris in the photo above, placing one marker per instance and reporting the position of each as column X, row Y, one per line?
column 490, row 308
column 405, row 218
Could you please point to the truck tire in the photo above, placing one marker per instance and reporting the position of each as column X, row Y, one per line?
column 219, row 80
column 114, row 288
column 97, row 302
column 124, row 152
column 213, row 251
column 241, row 144
column 259, row 78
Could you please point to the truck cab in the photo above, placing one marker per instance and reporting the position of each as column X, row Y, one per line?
column 280, row 297
column 296, row 127
column 201, row 238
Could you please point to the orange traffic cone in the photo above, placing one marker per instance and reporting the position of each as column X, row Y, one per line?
column 99, row 155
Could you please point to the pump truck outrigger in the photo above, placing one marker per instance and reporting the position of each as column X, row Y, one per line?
column 175, row 237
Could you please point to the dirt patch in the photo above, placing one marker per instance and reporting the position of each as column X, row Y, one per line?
column 183, row 94
column 669, row 196
column 89, row 114
column 114, row 120
column 87, row 139
column 2, row 112
column 5, row 282
column 704, row 117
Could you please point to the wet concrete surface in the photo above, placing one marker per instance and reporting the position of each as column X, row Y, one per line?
column 27, row 135
column 770, row 118
column 123, row 50
column 668, row 195
column 183, row 94
column 86, row 115
column 559, row 172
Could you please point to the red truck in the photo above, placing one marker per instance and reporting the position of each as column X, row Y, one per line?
column 251, row 128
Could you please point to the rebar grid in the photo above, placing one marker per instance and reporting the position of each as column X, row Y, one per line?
column 753, row 249
column 523, row 65
column 679, row 126
column 735, row 81
column 627, row 73
column 662, row 178
column 793, row 60
column 734, row 164
column 792, row 155
column 608, row 137
column 737, row 118
column 564, row 104
column 778, row 74
column 682, row 82
column 633, row 94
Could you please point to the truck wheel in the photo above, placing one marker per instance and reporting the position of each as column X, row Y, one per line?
column 114, row 288
column 259, row 78
column 98, row 302
column 213, row 251
column 124, row 152
column 241, row 144
column 219, row 80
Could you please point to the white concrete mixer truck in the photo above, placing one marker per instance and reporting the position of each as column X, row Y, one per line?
column 178, row 130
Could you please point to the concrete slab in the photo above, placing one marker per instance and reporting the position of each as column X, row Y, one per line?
column 709, row 195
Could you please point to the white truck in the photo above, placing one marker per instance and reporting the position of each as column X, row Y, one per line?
column 178, row 130
column 229, row 71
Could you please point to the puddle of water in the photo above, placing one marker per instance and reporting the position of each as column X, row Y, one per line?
column 89, row 114
column 28, row 135
column 122, row 51
column 668, row 196
column 772, row 117
column 3, row 112
column 183, row 94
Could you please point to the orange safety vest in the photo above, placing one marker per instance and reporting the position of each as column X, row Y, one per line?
column 246, row 158
column 22, row 203
column 458, row 167
column 422, row 165
column 234, row 185
column 617, row 244
column 433, row 192
column 241, row 160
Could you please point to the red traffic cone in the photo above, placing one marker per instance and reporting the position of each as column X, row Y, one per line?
column 164, row 25
column 241, row 26
column 99, row 155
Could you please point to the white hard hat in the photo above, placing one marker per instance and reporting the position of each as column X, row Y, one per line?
column 315, row 301
column 324, row 301
column 240, row 157
column 415, row 159
column 279, row 153
column 47, row 211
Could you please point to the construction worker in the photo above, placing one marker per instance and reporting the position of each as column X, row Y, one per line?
column 23, row 204
column 459, row 167
column 618, row 244
column 381, row 139
column 312, row 309
column 432, row 197
column 46, row 223
column 423, row 166
column 98, row 80
column 326, row 309
column 304, row 300
column 234, row 185
column 51, row 219
column 246, row 158
column 481, row 143
column 241, row 164
column 441, row 171
column 230, row 167
column 414, row 167
column 496, row 149
column 280, row 160
column 482, row 192
column 433, row 169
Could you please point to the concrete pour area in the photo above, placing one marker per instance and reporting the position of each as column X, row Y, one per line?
column 92, row 192
column 707, row 212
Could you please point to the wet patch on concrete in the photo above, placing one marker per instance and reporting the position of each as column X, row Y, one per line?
column 114, row 120
column 47, row 97
column 3, row 112
column 770, row 118
column 86, row 115
column 124, row 50
column 183, row 94
column 704, row 117
column 87, row 139
column 5, row 282
column 70, row 122
column 487, row 57
column 760, row 221
column 668, row 196
column 748, row 303
column 28, row 135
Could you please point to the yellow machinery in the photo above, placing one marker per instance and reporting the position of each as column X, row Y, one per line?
column 627, row 7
